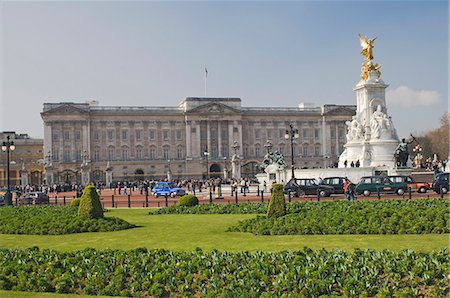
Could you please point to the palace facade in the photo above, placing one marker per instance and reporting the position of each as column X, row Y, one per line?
column 26, row 161
column 150, row 142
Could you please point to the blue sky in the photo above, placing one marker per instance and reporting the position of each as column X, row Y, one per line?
column 266, row 53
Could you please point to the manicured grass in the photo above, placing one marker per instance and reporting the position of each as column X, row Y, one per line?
column 186, row 232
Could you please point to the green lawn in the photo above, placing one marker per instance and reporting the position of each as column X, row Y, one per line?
column 186, row 232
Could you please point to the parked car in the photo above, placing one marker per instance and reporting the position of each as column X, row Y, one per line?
column 34, row 198
column 162, row 189
column 336, row 182
column 441, row 181
column 2, row 200
column 307, row 186
column 421, row 187
column 379, row 184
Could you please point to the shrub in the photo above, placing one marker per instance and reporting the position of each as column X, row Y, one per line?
column 277, row 205
column 54, row 220
column 90, row 206
column 188, row 200
column 75, row 202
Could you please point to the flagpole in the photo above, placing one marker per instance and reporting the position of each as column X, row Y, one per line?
column 206, row 77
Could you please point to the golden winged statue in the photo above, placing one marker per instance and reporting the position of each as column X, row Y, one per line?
column 367, row 46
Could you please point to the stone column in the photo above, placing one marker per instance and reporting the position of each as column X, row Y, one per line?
column 199, row 150
column 188, row 140
column 219, row 138
column 208, row 136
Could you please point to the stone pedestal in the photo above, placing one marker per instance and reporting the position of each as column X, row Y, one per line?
column 23, row 177
column 236, row 167
column 49, row 176
column 371, row 136
column 85, row 175
column 109, row 176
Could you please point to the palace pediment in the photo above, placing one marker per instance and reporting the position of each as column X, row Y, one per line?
column 65, row 109
column 213, row 108
column 340, row 111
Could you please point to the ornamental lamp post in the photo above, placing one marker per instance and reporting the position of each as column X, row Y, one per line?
column 292, row 134
column 8, row 147
column 206, row 153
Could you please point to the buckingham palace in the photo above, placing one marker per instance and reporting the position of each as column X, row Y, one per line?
column 195, row 139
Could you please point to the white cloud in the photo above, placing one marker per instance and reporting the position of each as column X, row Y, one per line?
column 406, row 97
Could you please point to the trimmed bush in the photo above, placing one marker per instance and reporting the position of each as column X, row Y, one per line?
column 54, row 220
column 75, row 202
column 188, row 200
column 90, row 206
column 277, row 205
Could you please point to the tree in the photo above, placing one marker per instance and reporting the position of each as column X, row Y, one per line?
column 277, row 204
column 90, row 206
column 436, row 141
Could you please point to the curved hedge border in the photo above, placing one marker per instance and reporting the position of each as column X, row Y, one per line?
column 360, row 217
column 54, row 220
column 307, row 273
column 244, row 208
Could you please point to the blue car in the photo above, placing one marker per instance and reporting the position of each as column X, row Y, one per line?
column 162, row 189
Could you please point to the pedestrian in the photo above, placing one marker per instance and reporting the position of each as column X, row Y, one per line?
column 357, row 164
column 345, row 163
column 352, row 164
column 345, row 188
column 350, row 190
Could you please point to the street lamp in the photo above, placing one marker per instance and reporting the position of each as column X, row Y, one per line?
column 292, row 134
column 206, row 153
column 7, row 147
column 269, row 146
column 417, row 159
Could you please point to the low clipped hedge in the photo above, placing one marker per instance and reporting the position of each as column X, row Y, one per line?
column 160, row 273
column 188, row 201
column 244, row 208
column 360, row 217
column 54, row 220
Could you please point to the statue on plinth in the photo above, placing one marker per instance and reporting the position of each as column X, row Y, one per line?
column 367, row 45
column 401, row 152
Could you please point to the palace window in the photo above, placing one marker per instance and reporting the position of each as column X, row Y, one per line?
column 124, row 154
column 180, row 153
column 257, row 152
column 151, row 135
column 111, row 155
column 269, row 134
column 138, row 134
column 152, row 153
column 317, row 151
column 97, row 135
column 165, row 135
column 110, row 134
column 166, row 153
column 316, row 134
column 257, row 134
column 96, row 155
column 305, row 150
column 179, row 135
column 78, row 135
column 66, row 135
column 138, row 153
column 66, row 155
column 55, row 136
column 55, row 154
column 124, row 134
column 78, row 155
